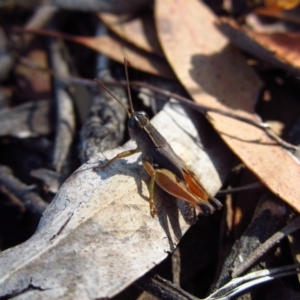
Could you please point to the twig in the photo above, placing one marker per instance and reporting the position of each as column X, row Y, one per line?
column 270, row 216
column 266, row 246
column 13, row 198
column 247, row 187
column 279, row 140
column 204, row 109
column 185, row 101
column 164, row 289
column 41, row 17
column 104, row 126
column 94, row 6
column 33, row 202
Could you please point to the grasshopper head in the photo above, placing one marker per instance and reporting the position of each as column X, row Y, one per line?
column 137, row 121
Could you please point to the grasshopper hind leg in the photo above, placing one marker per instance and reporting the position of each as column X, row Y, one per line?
column 150, row 170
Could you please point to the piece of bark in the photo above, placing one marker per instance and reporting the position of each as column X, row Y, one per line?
column 65, row 117
column 31, row 119
column 271, row 216
column 104, row 126
column 32, row 201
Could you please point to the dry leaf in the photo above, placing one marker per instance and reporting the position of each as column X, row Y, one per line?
column 139, row 31
column 116, row 49
column 282, row 4
column 279, row 49
column 31, row 80
column 31, row 119
column 285, row 15
column 97, row 236
column 216, row 75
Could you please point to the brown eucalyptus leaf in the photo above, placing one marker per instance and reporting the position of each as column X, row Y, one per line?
column 32, row 83
column 284, row 15
column 216, row 75
column 278, row 49
column 116, row 49
column 139, row 30
column 282, row 4
column 97, row 236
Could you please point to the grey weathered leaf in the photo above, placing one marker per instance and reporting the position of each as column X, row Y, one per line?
column 27, row 120
column 97, row 236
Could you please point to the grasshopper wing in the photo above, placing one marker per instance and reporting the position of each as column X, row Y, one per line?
column 189, row 190
column 198, row 189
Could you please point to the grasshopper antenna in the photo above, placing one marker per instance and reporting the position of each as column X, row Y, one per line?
column 109, row 92
column 126, row 65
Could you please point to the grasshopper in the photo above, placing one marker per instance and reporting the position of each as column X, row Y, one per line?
column 164, row 166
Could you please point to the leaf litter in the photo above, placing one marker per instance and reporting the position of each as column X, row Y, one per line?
column 87, row 234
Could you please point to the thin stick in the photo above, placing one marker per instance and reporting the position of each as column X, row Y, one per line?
column 163, row 288
column 267, row 245
column 247, row 187
column 204, row 109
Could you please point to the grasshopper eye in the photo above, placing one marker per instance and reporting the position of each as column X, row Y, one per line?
column 133, row 122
